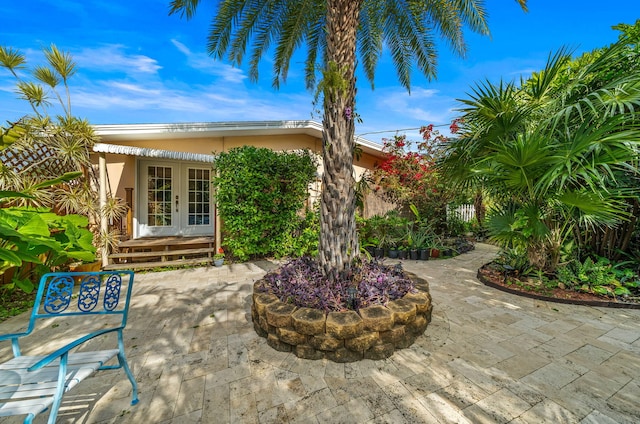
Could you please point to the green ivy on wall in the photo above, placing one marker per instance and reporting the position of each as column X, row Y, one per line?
column 259, row 193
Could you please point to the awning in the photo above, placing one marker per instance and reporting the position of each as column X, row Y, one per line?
column 152, row 153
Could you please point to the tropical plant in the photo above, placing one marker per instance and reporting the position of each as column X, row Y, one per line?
column 558, row 156
column 333, row 31
column 599, row 277
column 43, row 147
column 36, row 240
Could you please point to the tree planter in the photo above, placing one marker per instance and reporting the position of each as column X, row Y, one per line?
column 378, row 252
column 393, row 253
column 435, row 253
column 402, row 254
column 414, row 255
column 218, row 262
column 424, row 254
column 374, row 332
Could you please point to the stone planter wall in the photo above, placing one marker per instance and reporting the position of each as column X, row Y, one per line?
column 373, row 333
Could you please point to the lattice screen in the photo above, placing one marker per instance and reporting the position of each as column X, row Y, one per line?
column 39, row 161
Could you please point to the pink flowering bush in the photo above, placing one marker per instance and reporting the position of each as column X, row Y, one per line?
column 408, row 175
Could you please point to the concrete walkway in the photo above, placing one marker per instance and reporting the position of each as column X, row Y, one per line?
column 487, row 357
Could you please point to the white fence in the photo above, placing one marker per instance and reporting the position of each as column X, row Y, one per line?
column 463, row 212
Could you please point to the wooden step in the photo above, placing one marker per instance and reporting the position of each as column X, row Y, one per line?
column 161, row 253
column 157, row 252
column 163, row 242
column 159, row 264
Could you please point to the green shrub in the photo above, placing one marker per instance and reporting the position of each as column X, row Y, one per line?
column 304, row 239
column 259, row 193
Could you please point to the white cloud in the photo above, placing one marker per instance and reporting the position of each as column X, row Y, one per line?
column 109, row 101
column 204, row 63
column 113, row 58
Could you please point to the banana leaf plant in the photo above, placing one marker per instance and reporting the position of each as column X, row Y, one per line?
column 36, row 240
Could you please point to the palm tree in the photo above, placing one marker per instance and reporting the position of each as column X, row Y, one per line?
column 333, row 31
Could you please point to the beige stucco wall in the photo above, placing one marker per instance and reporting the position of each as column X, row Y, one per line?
column 121, row 168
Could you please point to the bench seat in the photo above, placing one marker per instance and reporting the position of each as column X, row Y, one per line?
column 31, row 392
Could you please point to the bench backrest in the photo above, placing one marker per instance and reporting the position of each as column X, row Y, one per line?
column 83, row 293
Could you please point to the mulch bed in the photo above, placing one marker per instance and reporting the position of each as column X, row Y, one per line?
column 492, row 275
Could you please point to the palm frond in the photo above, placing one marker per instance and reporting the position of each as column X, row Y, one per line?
column 11, row 59
column 186, row 8
column 370, row 37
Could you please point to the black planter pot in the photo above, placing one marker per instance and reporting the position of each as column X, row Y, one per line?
column 402, row 254
column 378, row 252
column 393, row 253
column 424, row 254
column 414, row 254
column 370, row 250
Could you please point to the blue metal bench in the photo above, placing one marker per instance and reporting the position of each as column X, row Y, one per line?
column 31, row 384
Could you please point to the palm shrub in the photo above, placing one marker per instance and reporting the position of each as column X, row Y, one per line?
column 557, row 155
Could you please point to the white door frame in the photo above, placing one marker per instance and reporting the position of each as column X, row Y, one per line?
column 181, row 196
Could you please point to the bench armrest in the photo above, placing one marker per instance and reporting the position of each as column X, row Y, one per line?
column 15, row 341
column 12, row 336
column 65, row 349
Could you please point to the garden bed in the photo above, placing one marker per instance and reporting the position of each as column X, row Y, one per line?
column 492, row 275
column 374, row 332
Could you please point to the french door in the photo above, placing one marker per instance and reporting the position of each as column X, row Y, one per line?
column 175, row 199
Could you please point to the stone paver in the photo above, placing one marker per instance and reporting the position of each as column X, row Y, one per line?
column 487, row 356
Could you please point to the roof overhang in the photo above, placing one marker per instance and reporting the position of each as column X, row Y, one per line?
column 152, row 153
column 134, row 132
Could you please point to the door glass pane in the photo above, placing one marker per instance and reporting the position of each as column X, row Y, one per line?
column 159, row 186
column 199, row 183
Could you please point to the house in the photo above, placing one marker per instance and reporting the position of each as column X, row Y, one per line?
column 164, row 170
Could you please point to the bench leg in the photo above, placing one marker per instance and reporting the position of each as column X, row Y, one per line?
column 124, row 364
column 57, row 398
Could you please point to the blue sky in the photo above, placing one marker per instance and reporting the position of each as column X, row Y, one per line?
column 136, row 64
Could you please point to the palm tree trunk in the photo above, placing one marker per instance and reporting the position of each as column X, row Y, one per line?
column 338, row 236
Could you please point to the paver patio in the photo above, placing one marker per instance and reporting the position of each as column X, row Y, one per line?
column 487, row 357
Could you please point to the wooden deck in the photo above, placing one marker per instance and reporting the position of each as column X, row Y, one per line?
column 152, row 252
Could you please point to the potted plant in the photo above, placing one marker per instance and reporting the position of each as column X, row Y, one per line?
column 436, row 247
column 415, row 239
column 374, row 234
column 218, row 258
column 422, row 239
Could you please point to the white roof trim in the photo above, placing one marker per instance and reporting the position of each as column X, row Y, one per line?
column 119, row 132
column 152, row 153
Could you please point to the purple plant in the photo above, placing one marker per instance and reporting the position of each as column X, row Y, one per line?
column 301, row 283
column 347, row 113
